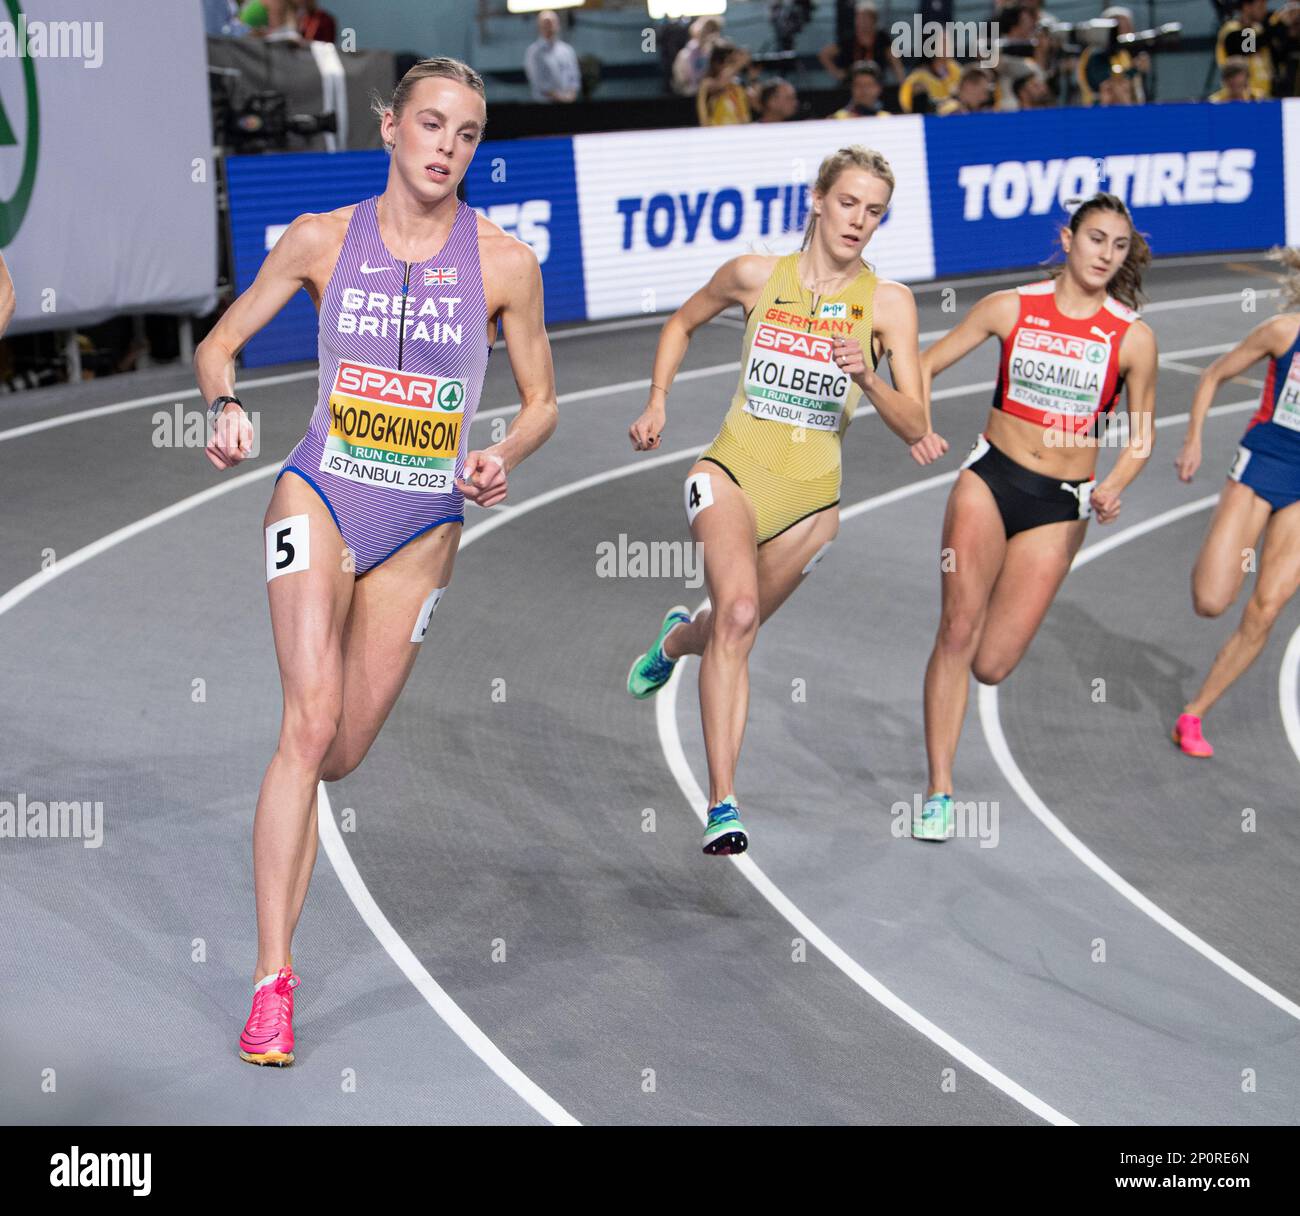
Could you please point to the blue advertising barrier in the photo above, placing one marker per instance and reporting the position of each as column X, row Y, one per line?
column 526, row 186
column 1197, row 177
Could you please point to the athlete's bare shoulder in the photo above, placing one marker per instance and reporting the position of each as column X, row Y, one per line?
column 499, row 252
column 892, row 294
column 748, row 272
column 310, row 246
column 997, row 311
column 1276, row 334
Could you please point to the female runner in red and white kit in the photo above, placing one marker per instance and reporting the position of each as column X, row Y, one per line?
column 1262, row 494
column 1019, row 509
column 366, row 514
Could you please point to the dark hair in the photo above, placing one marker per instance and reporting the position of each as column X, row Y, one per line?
column 1009, row 14
column 768, row 88
column 721, row 51
column 1234, row 65
column 448, row 69
column 866, row 67
column 1126, row 283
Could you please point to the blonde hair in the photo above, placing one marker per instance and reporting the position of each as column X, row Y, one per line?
column 1126, row 283
column 427, row 69
column 855, row 156
column 1289, row 256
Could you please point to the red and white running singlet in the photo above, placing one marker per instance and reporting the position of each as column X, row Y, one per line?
column 1061, row 371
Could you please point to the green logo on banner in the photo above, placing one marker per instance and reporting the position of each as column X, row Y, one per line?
column 14, row 208
column 450, row 394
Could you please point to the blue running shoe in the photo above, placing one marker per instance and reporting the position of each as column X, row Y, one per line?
column 724, row 833
column 651, row 670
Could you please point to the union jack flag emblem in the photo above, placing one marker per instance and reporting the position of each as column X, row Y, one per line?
column 439, row 274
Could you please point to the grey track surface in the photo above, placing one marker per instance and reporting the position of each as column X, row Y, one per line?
column 485, row 823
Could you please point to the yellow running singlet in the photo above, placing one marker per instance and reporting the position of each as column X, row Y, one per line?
column 780, row 439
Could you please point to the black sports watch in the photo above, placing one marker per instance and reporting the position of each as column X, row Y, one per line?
column 215, row 409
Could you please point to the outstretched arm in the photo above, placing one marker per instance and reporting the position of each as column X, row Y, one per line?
column 523, row 323
column 991, row 317
column 737, row 281
column 1139, row 363
column 1266, row 339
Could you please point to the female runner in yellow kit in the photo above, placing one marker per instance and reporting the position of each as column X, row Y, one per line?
column 763, row 497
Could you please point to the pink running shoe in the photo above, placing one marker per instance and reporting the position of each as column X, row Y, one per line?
column 268, row 1033
column 1187, row 734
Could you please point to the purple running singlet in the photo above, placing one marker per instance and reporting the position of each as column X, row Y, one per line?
column 403, row 351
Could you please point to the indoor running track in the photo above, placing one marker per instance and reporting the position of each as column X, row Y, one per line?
column 499, row 938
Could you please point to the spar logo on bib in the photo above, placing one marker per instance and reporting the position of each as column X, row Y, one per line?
column 792, row 378
column 394, row 428
column 1056, row 373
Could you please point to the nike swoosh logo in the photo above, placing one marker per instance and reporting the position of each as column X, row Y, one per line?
column 781, row 301
column 373, row 269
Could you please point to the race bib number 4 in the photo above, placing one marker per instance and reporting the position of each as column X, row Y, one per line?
column 394, row 429
column 1056, row 373
column 1287, row 413
column 792, row 378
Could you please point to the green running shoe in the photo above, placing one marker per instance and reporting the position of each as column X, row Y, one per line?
column 651, row 670
column 935, row 822
column 724, row 833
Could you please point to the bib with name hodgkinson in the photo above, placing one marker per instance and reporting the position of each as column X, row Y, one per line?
column 1287, row 411
column 392, row 428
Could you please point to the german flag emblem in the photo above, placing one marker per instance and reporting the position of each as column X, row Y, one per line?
column 856, row 311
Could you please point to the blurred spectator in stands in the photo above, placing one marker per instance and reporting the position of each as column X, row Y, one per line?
column 1032, row 91
column 933, row 81
column 551, row 64
column 1116, row 90
column 1234, row 77
column 1248, row 29
column 271, row 20
column 870, row 44
column 974, row 93
column 1284, row 47
column 221, row 19
column 865, row 88
column 776, row 101
column 692, row 62
column 722, row 99
column 1018, row 22
column 315, row 24
column 1095, row 65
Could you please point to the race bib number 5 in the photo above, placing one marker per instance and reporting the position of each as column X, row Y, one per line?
column 792, row 378
column 394, row 428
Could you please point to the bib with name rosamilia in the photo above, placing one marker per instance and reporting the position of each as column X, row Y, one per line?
column 395, row 429
column 1057, row 370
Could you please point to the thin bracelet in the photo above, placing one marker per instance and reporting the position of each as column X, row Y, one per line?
column 659, row 387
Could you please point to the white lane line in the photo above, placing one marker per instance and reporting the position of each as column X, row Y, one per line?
column 447, row 1009
column 101, row 411
column 1288, row 692
column 992, row 724
column 675, row 755
column 462, row 1025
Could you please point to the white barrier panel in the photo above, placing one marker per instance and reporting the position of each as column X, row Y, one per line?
column 107, row 197
column 1291, row 159
column 661, row 210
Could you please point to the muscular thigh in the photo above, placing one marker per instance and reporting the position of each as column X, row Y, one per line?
column 1234, row 528
column 973, row 547
column 722, row 521
column 1279, row 561
column 1036, row 563
column 786, row 560
column 309, row 588
column 388, row 604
